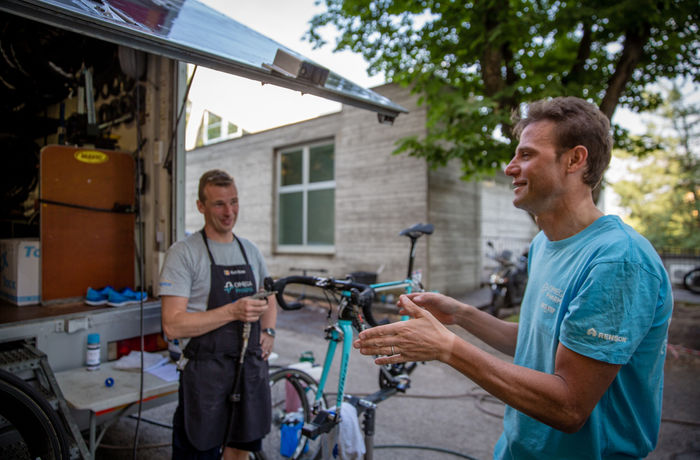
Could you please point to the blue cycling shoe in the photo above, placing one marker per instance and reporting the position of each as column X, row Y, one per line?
column 98, row 297
column 125, row 297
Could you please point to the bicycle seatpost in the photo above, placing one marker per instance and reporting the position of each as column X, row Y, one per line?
column 411, row 256
column 414, row 233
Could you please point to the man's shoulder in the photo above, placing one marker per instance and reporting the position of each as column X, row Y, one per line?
column 618, row 242
column 248, row 244
column 617, row 234
column 190, row 242
column 186, row 250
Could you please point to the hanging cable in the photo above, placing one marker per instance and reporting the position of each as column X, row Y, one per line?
column 140, row 255
column 168, row 162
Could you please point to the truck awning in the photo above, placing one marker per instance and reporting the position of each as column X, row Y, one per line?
column 190, row 31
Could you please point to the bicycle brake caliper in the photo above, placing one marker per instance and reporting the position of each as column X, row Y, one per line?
column 334, row 333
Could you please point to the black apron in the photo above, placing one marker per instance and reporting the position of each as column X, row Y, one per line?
column 208, row 379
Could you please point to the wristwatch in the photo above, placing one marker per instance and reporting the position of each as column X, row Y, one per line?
column 269, row 331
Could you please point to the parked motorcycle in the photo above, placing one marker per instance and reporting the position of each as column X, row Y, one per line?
column 508, row 282
column 691, row 280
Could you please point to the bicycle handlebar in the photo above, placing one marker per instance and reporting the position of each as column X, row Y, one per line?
column 360, row 294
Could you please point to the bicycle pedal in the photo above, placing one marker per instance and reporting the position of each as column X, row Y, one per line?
column 323, row 422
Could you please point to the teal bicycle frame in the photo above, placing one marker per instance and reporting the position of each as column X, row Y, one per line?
column 335, row 337
column 408, row 285
column 344, row 332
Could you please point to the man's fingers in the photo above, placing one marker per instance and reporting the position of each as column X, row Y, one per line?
column 408, row 307
column 380, row 331
column 390, row 359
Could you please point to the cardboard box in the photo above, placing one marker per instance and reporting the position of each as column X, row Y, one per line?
column 19, row 270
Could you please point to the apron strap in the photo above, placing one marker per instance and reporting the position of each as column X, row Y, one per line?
column 211, row 257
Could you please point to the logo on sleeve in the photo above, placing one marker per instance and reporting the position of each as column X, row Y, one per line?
column 609, row 337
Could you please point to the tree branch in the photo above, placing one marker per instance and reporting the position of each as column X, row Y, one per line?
column 584, row 51
column 631, row 55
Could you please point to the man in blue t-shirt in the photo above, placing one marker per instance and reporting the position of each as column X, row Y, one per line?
column 587, row 375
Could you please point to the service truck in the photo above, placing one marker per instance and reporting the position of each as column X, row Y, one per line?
column 92, row 115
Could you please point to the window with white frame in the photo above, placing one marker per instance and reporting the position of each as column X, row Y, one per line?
column 306, row 198
column 217, row 129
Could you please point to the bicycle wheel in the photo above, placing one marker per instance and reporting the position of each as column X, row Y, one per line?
column 292, row 393
column 30, row 427
column 691, row 281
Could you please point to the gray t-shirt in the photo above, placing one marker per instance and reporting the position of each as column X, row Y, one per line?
column 186, row 270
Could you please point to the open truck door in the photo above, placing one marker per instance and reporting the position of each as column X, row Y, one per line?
column 94, row 77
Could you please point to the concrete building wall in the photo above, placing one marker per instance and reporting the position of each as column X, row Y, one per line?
column 379, row 194
column 502, row 223
column 455, row 210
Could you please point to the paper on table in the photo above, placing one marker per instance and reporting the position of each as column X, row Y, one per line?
column 167, row 372
column 132, row 361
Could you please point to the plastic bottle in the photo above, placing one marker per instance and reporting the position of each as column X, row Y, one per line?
column 307, row 364
column 92, row 354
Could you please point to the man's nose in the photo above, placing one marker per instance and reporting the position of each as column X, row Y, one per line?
column 511, row 168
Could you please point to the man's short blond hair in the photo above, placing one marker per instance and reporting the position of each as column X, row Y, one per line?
column 216, row 177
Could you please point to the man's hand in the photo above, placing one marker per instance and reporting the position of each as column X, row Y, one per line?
column 422, row 338
column 247, row 309
column 266, row 343
column 443, row 308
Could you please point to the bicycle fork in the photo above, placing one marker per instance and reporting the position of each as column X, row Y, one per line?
column 324, row 419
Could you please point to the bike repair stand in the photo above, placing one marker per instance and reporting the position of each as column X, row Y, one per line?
column 367, row 407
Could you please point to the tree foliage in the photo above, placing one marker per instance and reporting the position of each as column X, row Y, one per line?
column 475, row 62
column 662, row 195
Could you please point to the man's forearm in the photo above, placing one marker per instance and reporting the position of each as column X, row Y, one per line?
column 499, row 334
column 193, row 324
column 563, row 399
column 269, row 318
column 542, row 396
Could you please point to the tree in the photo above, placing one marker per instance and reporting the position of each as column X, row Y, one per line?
column 474, row 63
column 662, row 196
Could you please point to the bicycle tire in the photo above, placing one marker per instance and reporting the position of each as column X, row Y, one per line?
column 291, row 390
column 32, row 418
column 691, row 280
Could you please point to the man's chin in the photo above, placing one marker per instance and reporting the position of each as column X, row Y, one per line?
column 520, row 203
column 223, row 229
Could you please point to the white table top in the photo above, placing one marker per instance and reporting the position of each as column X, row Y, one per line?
column 86, row 390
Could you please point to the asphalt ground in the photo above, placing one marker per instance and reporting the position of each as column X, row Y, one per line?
column 442, row 409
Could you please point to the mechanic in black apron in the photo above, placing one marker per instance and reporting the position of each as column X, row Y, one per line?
column 203, row 411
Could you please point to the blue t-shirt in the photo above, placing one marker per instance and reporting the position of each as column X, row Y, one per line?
column 605, row 294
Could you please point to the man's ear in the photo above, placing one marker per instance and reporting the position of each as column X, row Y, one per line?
column 577, row 158
column 200, row 206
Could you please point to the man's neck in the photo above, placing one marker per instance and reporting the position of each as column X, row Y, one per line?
column 226, row 237
column 568, row 220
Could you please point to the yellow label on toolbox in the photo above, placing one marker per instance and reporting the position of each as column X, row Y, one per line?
column 91, row 156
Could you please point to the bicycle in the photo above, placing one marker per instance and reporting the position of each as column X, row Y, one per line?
column 691, row 280
column 300, row 411
column 304, row 272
